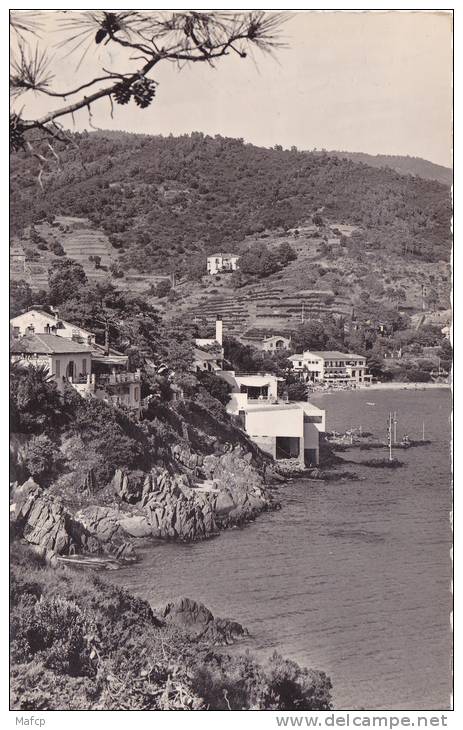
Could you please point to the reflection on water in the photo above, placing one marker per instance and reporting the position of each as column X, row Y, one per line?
column 350, row 577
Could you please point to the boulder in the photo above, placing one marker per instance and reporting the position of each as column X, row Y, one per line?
column 175, row 511
column 199, row 623
column 39, row 518
column 103, row 525
column 136, row 526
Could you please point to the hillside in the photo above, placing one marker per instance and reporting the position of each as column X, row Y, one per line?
column 404, row 165
column 165, row 202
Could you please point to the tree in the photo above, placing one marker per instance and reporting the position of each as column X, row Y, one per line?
column 163, row 288
column 375, row 364
column 286, row 253
column 41, row 459
column 65, row 279
column 416, row 375
column 20, row 297
column 216, row 386
column 146, row 36
column 35, row 403
column 311, row 335
column 297, row 391
column 259, row 260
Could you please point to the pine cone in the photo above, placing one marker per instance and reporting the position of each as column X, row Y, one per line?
column 122, row 93
column 143, row 92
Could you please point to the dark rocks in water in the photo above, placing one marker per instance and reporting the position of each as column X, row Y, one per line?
column 199, row 622
column 382, row 463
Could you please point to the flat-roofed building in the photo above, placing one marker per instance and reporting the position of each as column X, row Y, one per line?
column 286, row 431
column 331, row 366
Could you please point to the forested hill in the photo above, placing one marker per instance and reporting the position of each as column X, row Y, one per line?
column 405, row 165
column 162, row 199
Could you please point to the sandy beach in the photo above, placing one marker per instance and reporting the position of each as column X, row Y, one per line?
column 406, row 386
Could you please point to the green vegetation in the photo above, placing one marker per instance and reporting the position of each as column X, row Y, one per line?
column 163, row 200
column 80, row 643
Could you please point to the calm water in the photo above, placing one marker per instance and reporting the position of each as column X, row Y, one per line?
column 350, row 577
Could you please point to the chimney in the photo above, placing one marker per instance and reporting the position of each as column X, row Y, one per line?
column 219, row 329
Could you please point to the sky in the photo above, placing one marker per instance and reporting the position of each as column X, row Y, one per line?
column 375, row 82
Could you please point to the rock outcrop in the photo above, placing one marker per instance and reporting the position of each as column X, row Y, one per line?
column 43, row 521
column 238, row 492
column 199, row 623
column 176, row 511
column 40, row 519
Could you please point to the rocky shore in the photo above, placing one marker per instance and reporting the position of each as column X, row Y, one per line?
column 210, row 493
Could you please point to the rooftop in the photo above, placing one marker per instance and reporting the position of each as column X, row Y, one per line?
column 273, row 407
column 334, row 354
column 51, row 317
column 203, row 355
column 222, row 255
column 48, row 345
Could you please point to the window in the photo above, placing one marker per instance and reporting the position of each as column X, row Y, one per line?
column 135, row 393
column 16, row 331
column 84, row 366
column 57, row 368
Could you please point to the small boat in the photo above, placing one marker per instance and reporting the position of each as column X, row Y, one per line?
column 370, row 404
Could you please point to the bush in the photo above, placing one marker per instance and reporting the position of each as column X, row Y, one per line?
column 418, row 376
column 35, row 403
column 217, row 387
column 66, row 628
column 118, row 272
column 163, row 288
column 42, row 458
column 56, row 248
column 297, row 391
column 53, row 628
column 241, row 683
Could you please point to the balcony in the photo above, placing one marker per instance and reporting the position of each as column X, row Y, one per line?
column 118, row 378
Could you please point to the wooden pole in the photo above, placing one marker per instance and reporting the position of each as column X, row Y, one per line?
column 389, row 435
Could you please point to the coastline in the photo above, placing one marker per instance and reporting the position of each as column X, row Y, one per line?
column 406, row 386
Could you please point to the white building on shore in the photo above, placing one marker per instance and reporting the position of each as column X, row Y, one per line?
column 286, row 431
column 331, row 367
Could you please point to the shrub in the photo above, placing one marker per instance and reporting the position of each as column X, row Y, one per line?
column 241, row 683
column 42, row 458
column 35, row 403
column 118, row 272
column 53, row 628
column 297, row 391
column 217, row 387
column 418, row 376
column 163, row 288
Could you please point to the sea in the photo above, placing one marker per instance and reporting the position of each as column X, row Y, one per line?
column 352, row 577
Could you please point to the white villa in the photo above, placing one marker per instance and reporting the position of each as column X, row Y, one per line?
column 331, row 367
column 275, row 343
column 75, row 358
column 284, row 430
column 37, row 321
column 221, row 262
